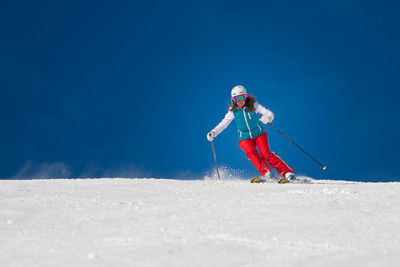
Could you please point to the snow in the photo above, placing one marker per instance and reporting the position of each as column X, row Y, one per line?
column 164, row 222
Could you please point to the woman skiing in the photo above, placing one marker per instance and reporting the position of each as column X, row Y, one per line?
column 248, row 114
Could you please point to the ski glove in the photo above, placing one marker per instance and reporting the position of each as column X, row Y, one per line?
column 211, row 135
column 267, row 118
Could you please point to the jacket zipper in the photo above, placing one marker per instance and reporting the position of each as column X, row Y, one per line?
column 244, row 114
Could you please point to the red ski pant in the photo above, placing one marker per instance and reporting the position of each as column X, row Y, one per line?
column 249, row 146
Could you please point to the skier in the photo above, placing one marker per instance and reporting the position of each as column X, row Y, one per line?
column 248, row 114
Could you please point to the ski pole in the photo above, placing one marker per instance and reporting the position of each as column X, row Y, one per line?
column 316, row 161
column 215, row 159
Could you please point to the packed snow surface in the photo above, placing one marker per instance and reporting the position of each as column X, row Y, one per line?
column 160, row 222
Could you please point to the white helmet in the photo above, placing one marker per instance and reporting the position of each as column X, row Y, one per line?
column 238, row 90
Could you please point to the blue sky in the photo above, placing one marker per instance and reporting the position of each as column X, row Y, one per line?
column 130, row 88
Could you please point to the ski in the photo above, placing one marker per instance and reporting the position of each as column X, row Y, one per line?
column 257, row 180
column 283, row 181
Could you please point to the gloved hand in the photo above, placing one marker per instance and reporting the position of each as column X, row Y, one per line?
column 267, row 118
column 211, row 135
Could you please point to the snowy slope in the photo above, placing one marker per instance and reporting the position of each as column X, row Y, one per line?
column 159, row 222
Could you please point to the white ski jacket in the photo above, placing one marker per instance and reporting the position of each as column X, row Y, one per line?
column 229, row 117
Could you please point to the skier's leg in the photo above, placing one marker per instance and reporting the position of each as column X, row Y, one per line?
column 272, row 159
column 249, row 146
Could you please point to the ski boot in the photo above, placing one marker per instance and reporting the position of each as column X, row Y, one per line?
column 289, row 177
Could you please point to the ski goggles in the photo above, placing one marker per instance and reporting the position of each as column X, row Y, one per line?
column 239, row 98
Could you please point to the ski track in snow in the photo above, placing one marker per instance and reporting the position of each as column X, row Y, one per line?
column 160, row 222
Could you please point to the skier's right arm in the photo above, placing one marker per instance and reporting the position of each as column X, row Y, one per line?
column 221, row 126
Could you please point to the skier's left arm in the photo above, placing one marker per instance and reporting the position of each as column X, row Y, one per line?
column 267, row 115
